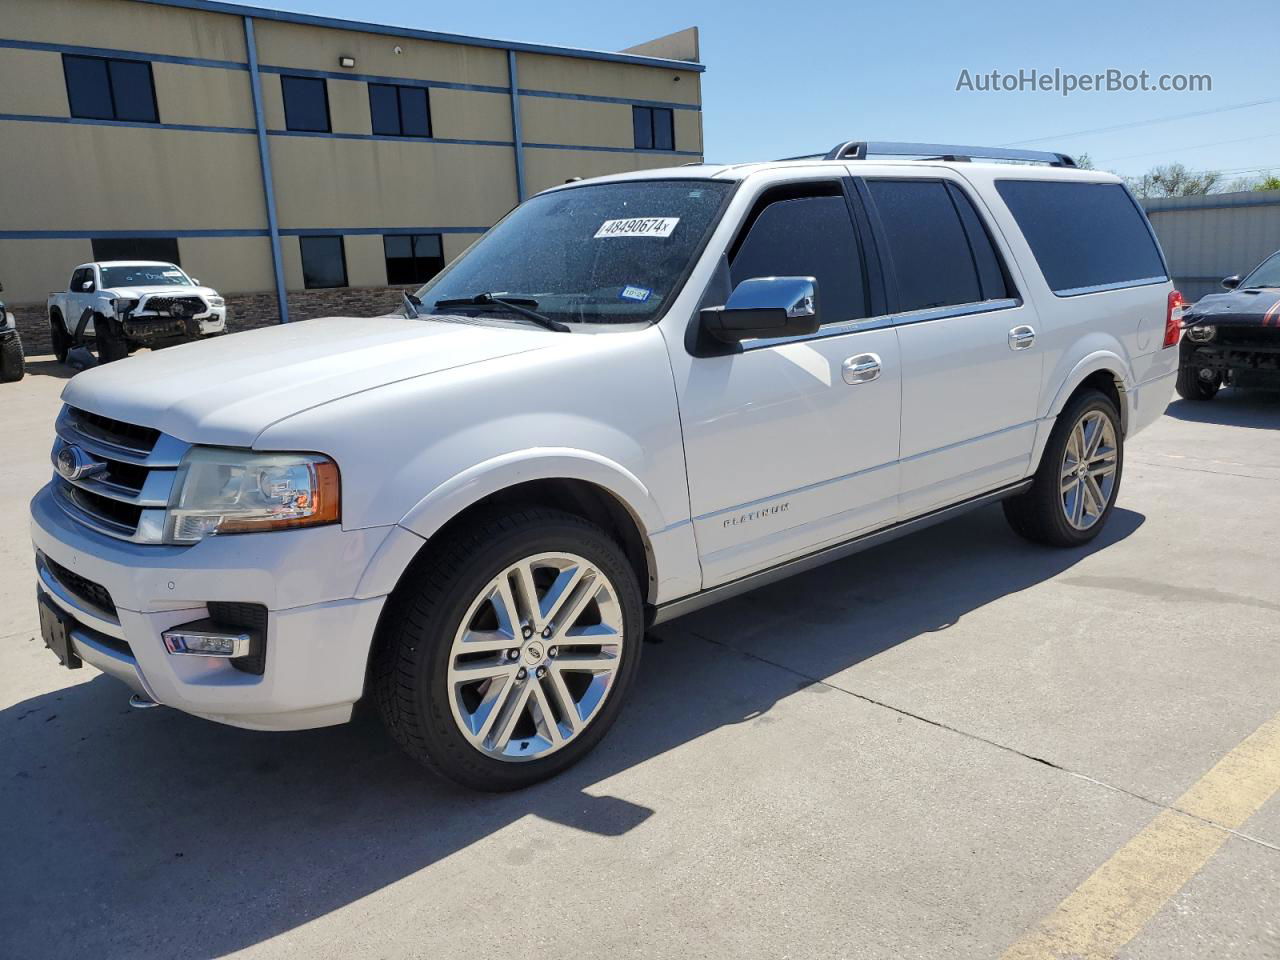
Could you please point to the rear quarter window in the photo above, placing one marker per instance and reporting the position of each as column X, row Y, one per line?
column 1084, row 235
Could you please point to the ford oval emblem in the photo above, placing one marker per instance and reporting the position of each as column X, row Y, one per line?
column 74, row 464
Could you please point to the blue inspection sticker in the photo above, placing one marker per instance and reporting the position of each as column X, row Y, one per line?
column 635, row 294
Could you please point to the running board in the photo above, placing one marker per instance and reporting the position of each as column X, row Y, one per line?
column 705, row 598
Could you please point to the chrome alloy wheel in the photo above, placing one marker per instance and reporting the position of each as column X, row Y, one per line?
column 1089, row 470
column 535, row 657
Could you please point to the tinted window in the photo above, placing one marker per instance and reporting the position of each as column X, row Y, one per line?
column 1083, row 234
column 928, row 247
column 1265, row 274
column 323, row 262
column 162, row 275
column 807, row 237
column 654, row 128
column 102, row 89
column 413, row 259
column 399, row 111
column 991, row 273
column 306, row 104
column 80, row 277
column 136, row 248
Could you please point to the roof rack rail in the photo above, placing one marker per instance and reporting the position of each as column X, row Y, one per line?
column 860, row 150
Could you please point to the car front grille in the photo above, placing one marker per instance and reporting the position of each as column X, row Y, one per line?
column 1248, row 336
column 94, row 594
column 131, row 469
column 175, row 306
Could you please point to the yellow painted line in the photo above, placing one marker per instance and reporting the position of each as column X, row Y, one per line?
column 1122, row 896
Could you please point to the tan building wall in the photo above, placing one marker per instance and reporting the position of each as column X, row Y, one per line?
column 198, row 170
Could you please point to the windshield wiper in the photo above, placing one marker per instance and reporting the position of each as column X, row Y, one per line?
column 521, row 305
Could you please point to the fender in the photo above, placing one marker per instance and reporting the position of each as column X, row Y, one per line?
column 1090, row 364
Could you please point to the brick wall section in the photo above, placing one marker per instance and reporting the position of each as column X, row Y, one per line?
column 245, row 311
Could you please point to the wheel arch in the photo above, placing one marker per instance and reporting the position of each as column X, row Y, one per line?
column 1102, row 370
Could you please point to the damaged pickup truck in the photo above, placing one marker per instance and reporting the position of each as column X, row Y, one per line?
column 122, row 305
column 1232, row 339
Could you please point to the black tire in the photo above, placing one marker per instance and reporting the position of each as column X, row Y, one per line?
column 58, row 337
column 1191, row 386
column 1038, row 513
column 415, row 636
column 112, row 345
column 11, row 359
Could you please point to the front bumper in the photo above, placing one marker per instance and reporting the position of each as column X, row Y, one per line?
column 319, row 628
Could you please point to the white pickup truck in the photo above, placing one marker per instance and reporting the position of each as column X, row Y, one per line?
column 141, row 303
column 633, row 397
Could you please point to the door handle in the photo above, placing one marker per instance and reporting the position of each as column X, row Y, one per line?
column 863, row 368
column 1021, row 337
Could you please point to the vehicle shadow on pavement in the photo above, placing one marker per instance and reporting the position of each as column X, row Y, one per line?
column 48, row 367
column 151, row 833
column 1232, row 408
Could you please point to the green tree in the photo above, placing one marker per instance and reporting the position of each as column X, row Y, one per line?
column 1269, row 182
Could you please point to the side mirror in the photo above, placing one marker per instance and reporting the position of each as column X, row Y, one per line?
column 1231, row 282
column 765, row 307
column 87, row 286
column 195, row 282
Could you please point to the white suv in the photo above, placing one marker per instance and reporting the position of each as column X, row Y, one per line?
column 635, row 396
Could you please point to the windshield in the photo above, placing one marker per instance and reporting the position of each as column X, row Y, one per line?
column 607, row 253
column 1265, row 274
column 143, row 275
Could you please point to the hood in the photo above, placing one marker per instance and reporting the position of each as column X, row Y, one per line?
column 227, row 390
column 1238, row 308
column 162, row 289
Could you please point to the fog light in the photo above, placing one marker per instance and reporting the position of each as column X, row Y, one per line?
column 200, row 639
column 1202, row 333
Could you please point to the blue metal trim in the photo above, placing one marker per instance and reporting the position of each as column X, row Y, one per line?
column 384, row 136
column 517, row 129
column 373, row 231
column 579, row 146
column 264, row 155
column 261, row 13
column 123, row 234
column 376, row 78
column 121, row 54
column 82, row 121
column 592, row 98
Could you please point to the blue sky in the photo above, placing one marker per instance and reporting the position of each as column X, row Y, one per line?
column 796, row 77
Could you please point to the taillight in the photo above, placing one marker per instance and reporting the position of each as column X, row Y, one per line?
column 1173, row 319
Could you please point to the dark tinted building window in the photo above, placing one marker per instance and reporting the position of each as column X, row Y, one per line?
column 399, row 111
column 807, row 237
column 927, row 243
column 654, row 128
column 306, row 104
column 103, row 89
column 324, row 263
column 1083, row 234
column 136, row 248
column 413, row 259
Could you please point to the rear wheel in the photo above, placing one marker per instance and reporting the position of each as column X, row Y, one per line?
column 11, row 359
column 58, row 337
column 1198, row 383
column 1074, row 490
column 506, row 654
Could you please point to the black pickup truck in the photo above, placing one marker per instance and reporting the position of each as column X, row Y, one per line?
column 1233, row 338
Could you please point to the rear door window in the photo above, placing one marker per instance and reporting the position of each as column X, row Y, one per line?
column 1084, row 235
column 794, row 235
column 927, row 244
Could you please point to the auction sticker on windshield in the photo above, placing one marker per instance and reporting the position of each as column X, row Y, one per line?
column 638, row 227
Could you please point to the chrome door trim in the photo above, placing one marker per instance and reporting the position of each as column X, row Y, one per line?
column 888, row 320
column 789, row 568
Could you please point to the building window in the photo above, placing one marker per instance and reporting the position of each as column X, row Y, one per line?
column 324, row 264
column 102, row 89
column 164, row 249
column 399, row 111
column 413, row 259
column 654, row 128
column 306, row 104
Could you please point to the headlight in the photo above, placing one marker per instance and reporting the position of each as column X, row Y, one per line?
column 217, row 302
column 1201, row 333
column 221, row 491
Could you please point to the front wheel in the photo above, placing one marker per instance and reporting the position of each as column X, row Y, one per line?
column 506, row 653
column 59, row 339
column 1074, row 490
column 1197, row 383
